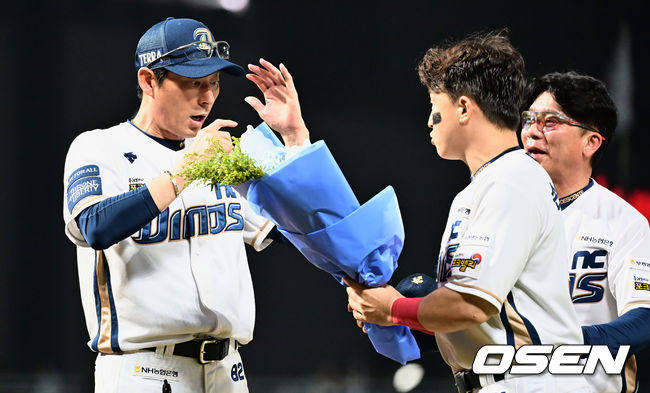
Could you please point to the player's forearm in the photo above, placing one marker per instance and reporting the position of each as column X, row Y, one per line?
column 630, row 329
column 163, row 191
column 444, row 310
column 115, row 218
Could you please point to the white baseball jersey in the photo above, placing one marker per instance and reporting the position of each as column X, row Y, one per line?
column 182, row 275
column 609, row 265
column 505, row 243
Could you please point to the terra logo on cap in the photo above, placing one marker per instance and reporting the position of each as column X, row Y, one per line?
column 177, row 45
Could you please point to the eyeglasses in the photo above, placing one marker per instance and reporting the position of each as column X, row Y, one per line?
column 550, row 121
column 197, row 50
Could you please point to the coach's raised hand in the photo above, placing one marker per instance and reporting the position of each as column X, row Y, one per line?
column 281, row 109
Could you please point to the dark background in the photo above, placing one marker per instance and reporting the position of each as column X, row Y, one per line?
column 67, row 67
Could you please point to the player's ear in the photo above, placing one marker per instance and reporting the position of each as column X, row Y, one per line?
column 146, row 80
column 592, row 143
column 465, row 107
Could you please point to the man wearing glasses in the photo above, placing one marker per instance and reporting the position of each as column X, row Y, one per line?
column 500, row 265
column 570, row 120
column 165, row 284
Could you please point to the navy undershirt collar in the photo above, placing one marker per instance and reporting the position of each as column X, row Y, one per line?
column 480, row 169
column 569, row 199
column 168, row 143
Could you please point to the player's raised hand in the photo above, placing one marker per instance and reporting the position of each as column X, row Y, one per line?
column 371, row 304
column 281, row 107
column 202, row 141
column 213, row 130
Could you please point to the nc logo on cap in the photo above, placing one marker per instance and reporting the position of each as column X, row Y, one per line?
column 203, row 34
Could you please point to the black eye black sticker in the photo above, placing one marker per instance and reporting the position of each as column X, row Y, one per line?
column 436, row 118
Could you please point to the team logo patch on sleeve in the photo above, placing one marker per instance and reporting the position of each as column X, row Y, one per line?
column 87, row 170
column 83, row 182
column 640, row 275
column 467, row 263
column 640, row 264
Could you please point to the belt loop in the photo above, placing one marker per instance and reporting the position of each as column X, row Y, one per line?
column 486, row 379
column 169, row 350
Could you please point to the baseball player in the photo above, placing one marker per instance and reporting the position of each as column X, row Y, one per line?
column 570, row 120
column 165, row 284
column 500, row 271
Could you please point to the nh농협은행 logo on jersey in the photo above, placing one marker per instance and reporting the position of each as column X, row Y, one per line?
column 83, row 182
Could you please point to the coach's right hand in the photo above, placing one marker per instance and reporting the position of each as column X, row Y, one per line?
column 161, row 188
column 201, row 141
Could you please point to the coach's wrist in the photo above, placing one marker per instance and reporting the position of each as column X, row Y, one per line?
column 296, row 135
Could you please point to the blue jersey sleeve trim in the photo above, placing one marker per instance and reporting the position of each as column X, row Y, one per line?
column 534, row 336
column 630, row 329
column 114, row 219
column 510, row 335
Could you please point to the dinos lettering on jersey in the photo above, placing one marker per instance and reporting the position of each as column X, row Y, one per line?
column 447, row 254
column 587, row 288
column 590, row 259
column 198, row 220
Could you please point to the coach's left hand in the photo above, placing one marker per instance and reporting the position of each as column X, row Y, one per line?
column 281, row 110
column 371, row 304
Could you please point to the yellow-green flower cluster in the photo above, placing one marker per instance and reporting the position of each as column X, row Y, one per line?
column 221, row 167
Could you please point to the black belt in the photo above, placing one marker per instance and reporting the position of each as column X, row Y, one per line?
column 467, row 381
column 204, row 351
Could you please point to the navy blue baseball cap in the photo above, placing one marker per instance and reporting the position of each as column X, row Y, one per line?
column 171, row 40
column 416, row 285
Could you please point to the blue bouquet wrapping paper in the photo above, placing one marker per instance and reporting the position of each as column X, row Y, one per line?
column 307, row 196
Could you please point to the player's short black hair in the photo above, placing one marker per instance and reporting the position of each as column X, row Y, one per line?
column 582, row 98
column 160, row 74
column 485, row 67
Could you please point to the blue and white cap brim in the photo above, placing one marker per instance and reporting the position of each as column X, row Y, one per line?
column 203, row 67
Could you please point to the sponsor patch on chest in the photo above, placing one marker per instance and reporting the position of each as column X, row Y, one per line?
column 135, row 182
column 594, row 241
